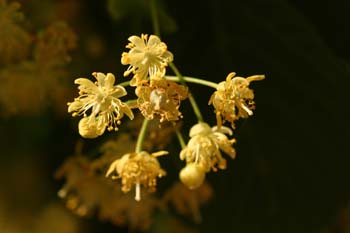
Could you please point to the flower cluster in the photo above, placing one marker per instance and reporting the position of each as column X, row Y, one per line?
column 86, row 192
column 158, row 99
column 33, row 72
column 232, row 100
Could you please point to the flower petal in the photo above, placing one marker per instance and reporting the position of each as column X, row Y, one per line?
column 109, row 81
column 119, row 91
column 124, row 108
column 112, row 168
column 137, row 41
column 153, row 41
column 200, row 128
column 86, row 85
column 255, row 78
column 75, row 106
column 222, row 129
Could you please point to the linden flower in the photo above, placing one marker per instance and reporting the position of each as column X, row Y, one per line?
column 161, row 97
column 137, row 169
column 204, row 147
column 102, row 97
column 233, row 98
column 146, row 56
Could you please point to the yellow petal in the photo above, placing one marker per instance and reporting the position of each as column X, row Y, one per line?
column 112, row 168
column 86, row 85
column 153, row 41
column 255, row 78
column 119, row 91
column 137, row 41
column 109, row 81
column 200, row 128
column 230, row 76
column 75, row 106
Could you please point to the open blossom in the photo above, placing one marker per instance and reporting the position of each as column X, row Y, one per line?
column 161, row 97
column 233, row 99
column 204, row 147
column 137, row 169
column 147, row 56
column 102, row 101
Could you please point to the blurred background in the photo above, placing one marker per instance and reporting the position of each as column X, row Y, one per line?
column 292, row 171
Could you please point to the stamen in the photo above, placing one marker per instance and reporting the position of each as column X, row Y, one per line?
column 196, row 160
column 250, row 112
column 138, row 192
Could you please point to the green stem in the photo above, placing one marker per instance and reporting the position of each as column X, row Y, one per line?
column 177, row 79
column 154, row 15
column 192, row 80
column 191, row 98
column 180, row 138
column 131, row 103
column 156, row 29
column 124, row 84
column 141, row 136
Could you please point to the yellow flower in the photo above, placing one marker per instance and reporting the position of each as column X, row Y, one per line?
column 147, row 56
column 161, row 97
column 233, row 98
column 137, row 169
column 205, row 144
column 102, row 97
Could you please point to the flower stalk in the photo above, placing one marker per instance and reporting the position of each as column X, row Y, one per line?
column 193, row 102
column 177, row 79
column 141, row 136
column 154, row 15
column 180, row 138
column 192, row 80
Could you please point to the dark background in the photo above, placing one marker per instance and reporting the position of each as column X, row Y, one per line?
column 291, row 173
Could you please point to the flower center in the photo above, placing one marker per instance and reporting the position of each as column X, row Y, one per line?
column 159, row 99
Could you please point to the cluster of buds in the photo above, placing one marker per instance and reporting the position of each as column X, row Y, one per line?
column 159, row 97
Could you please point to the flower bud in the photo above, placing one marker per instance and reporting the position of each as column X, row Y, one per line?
column 192, row 175
column 88, row 128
